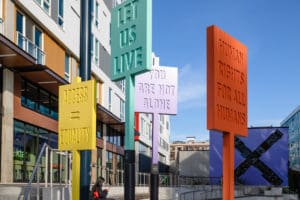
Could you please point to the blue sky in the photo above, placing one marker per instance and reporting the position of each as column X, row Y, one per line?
column 269, row 28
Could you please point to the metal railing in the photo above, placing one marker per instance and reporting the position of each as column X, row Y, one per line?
column 28, row 46
column 165, row 180
column 143, row 179
column 57, row 165
column 28, row 187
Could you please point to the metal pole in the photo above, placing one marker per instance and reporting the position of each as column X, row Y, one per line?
column 228, row 166
column 51, row 174
column 46, row 167
column 154, row 170
column 129, row 176
column 85, row 74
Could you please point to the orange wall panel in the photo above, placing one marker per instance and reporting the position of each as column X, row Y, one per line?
column 55, row 56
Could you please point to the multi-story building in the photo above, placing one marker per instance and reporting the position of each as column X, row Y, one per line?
column 293, row 122
column 190, row 158
column 39, row 51
column 143, row 144
column 189, row 145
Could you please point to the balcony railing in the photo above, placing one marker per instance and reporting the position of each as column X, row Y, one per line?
column 28, row 46
column 1, row 26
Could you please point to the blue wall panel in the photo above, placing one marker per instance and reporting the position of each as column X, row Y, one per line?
column 260, row 159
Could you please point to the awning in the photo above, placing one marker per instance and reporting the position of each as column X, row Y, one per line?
column 110, row 119
column 13, row 56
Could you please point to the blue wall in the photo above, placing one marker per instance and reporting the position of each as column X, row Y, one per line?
column 264, row 153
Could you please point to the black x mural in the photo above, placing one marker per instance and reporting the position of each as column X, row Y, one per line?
column 252, row 158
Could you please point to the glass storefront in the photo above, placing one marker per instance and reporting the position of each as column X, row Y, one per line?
column 28, row 141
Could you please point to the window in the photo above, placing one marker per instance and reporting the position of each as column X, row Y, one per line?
column 38, row 45
column 20, row 30
column 96, row 55
column 142, row 125
column 142, row 148
column 45, row 4
column 123, row 84
column 39, row 100
column 99, row 129
column 120, row 168
column 149, row 126
column 99, row 162
column 114, row 137
column 60, row 12
column 109, row 99
column 44, row 104
column 97, row 14
column 27, row 143
column 109, row 159
column 92, row 47
column 30, row 96
column 122, row 110
column 67, row 67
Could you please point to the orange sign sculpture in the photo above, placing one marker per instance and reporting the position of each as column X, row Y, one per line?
column 226, row 96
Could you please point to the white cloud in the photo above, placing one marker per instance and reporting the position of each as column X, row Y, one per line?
column 191, row 88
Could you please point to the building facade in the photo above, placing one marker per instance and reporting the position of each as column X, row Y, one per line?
column 190, row 158
column 39, row 51
column 292, row 121
column 189, row 145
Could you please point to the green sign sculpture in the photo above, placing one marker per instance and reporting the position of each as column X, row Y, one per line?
column 131, row 38
column 131, row 50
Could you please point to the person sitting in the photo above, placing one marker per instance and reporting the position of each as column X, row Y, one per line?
column 97, row 192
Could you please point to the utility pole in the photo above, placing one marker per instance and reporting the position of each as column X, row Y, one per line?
column 85, row 74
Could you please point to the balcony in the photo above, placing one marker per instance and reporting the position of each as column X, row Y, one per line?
column 28, row 46
column 1, row 26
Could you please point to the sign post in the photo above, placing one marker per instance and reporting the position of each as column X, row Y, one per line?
column 226, row 96
column 77, row 123
column 156, row 93
column 131, row 48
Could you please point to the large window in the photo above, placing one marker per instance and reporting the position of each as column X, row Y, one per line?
column 28, row 140
column 39, row 100
column 60, row 13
